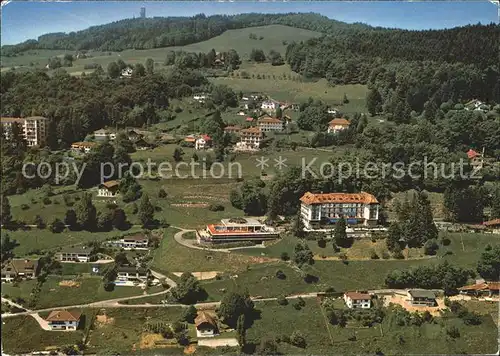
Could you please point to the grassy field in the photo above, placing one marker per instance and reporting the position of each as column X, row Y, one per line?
column 52, row 294
column 273, row 37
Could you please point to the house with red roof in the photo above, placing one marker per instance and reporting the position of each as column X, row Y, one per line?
column 63, row 320
column 337, row 125
column 356, row 300
column 203, row 142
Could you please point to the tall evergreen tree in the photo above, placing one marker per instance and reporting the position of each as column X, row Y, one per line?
column 146, row 211
column 86, row 212
column 340, row 234
column 241, row 331
column 5, row 215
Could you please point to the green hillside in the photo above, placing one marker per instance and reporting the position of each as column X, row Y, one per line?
column 274, row 37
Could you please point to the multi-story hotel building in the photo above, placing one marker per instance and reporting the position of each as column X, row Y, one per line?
column 323, row 209
column 267, row 123
column 251, row 137
column 34, row 128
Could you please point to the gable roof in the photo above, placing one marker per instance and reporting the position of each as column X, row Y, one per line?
column 494, row 222
column 20, row 265
column 482, row 286
column 358, row 296
column 322, row 198
column 204, row 318
column 63, row 315
column 110, row 184
column 252, row 130
column 136, row 237
column 269, row 120
column 339, row 122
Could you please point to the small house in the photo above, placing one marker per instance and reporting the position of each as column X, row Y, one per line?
column 269, row 105
column 137, row 241
column 337, row 125
column 493, row 226
column 488, row 289
column 206, row 325
column 74, row 254
column 355, row 300
column 63, row 320
column 127, row 72
column 142, row 145
column 203, row 142
column 131, row 274
column 108, row 189
column 190, row 139
column 19, row 268
column 83, row 147
column 102, row 135
column 422, row 297
column 133, row 135
column 200, row 97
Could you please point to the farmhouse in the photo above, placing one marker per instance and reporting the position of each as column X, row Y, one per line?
column 206, row 325
column 137, row 242
column 422, row 297
column 324, row 209
column 131, row 274
column 237, row 229
column 337, row 125
column 83, row 147
column 108, row 189
column 133, row 135
column 267, row 123
column 355, row 300
column 269, row 105
column 488, row 289
column 103, row 135
column 141, row 144
column 203, row 142
column 493, row 225
column 63, row 320
column 251, row 137
column 34, row 128
column 74, row 254
column 19, row 268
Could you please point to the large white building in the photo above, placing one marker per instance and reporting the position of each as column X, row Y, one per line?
column 323, row 209
column 34, row 128
column 267, row 124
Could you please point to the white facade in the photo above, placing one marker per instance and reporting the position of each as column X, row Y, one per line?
column 130, row 244
column 104, row 134
column 356, row 301
column 200, row 144
column 127, row 72
column 73, row 256
column 200, row 97
column 251, row 137
column 269, row 105
column 63, row 325
column 34, row 128
column 270, row 124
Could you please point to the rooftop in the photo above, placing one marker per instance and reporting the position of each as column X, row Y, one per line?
column 111, row 184
column 252, row 130
column 358, row 296
column 422, row 293
column 203, row 317
column 77, row 249
column 339, row 122
column 241, row 222
column 84, row 144
column 136, row 237
column 494, row 222
column 472, row 154
column 269, row 120
column 482, row 286
column 323, row 198
column 21, row 265
column 63, row 315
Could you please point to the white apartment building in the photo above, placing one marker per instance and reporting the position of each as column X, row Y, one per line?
column 355, row 300
column 34, row 128
column 251, row 137
column 267, row 124
column 324, row 209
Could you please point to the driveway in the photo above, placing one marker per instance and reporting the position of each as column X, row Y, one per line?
column 218, row 342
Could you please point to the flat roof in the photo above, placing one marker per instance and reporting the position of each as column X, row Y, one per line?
column 422, row 293
column 241, row 222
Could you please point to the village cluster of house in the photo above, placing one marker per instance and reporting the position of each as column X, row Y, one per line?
column 137, row 137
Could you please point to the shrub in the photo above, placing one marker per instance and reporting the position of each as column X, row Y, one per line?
column 284, row 256
column 398, row 255
column 162, row 193
column 25, row 206
column 280, row 274
column 373, row 255
column 301, row 301
column 453, row 332
column 297, row 339
column 297, row 306
column 47, row 201
column 431, row 247
column 282, row 300
column 321, row 242
column 385, row 255
column 216, row 207
column 472, row 318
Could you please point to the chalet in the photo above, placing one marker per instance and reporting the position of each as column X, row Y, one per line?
column 337, row 125
column 493, row 225
column 332, row 111
column 74, row 254
column 141, row 144
column 102, row 135
column 327, row 208
column 133, row 135
column 63, row 320
column 203, row 142
column 206, row 325
column 232, row 129
column 251, row 138
column 127, row 72
column 83, row 147
column 355, row 300
column 269, row 105
column 131, row 274
column 108, row 189
column 137, row 242
column 422, row 297
column 19, row 268
column 267, row 124
column 488, row 289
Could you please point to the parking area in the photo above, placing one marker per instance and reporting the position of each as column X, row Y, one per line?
column 405, row 303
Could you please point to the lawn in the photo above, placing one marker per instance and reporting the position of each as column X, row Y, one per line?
column 22, row 334
column 172, row 257
column 52, row 295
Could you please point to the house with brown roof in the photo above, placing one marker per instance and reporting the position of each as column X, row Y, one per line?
column 83, row 147
column 356, row 300
column 250, row 138
column 327, row 208
column 63, row 320
column 232, row 129
column 133, row 242
column 19, row 268
column 489, row 289
column 493, row 225
column 206, row 325
column 108, row 189
column 337, row 125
